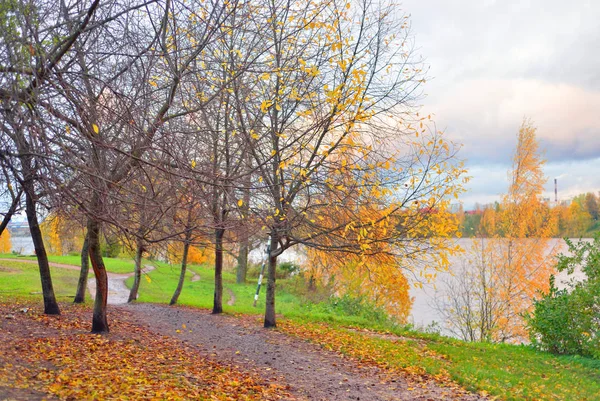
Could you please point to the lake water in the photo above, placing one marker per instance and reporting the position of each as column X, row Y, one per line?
column 425, row 313
column 22, row 245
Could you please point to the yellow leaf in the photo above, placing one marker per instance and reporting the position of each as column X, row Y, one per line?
column 240, row 203
column 265, row 105
column 148, row 279
column 96, row 129
column 193, row 163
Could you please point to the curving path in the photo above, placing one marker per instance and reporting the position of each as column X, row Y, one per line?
column 118, row 293
column 312, row 373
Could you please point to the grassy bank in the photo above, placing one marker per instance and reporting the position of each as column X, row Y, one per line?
column 22, row 280
column 113, row 265
column 507, row 371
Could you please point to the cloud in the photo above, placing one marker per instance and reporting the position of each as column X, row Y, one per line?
column 485, row 115
column 493, row 63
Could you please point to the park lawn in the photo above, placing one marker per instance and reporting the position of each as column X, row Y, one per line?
column 158, row 286
column 22, row 280
column 113, row 265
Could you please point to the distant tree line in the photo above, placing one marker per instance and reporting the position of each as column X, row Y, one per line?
column 577, row 218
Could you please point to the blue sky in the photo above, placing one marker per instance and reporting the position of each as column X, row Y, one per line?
column 492, row 63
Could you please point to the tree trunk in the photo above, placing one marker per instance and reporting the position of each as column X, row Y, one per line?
column 99, row 320
column 312, row 283
column 242, row 259
column 137, row 274
column 270, row 307
column 242, row 262
column 83, row 274
column 218, row 299
column 50, row 304
column 186, row 249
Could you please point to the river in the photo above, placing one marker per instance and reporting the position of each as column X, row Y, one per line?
column 425, row 313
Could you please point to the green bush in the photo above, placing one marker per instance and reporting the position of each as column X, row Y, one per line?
column 284, row 270
column 358, row 307
column 568, row 321
column 287, row 269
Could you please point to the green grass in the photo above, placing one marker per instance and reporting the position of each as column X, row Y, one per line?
column 509, row 372
column 520, row 372
column 22, row 280
column 163, row 281
column 158, row 286
column 113, row 265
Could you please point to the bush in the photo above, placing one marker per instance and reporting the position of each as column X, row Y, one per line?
column 358, row 307
column 287, row 269
column 284, row 270
column 568, row 321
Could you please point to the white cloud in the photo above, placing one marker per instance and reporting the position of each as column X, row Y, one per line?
column 485, row 115
column 495, row 62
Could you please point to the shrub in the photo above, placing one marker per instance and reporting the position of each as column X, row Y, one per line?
column 284, row 270
column 358, row 307
column 288, row 269
column 568, row 321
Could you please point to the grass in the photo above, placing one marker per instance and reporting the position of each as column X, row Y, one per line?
column 113, row 265
column 509, row 372
column 22, row 280
column 520, row 372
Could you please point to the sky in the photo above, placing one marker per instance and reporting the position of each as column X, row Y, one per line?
column 493, row 63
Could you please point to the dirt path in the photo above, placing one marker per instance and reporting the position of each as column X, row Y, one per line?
column 231, row 301
column 312, row 373
column 118, row 293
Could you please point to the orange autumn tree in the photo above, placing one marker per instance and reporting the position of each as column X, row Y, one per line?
column 388, row 231
column 61, row 234
column 372, row 271
column 488, row 297
column 5, row 243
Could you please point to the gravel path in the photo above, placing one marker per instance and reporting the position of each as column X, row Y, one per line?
column 311, row 372
column 118, row 292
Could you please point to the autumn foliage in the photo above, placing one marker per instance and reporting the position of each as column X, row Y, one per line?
column 508, row 269
column 58, row 356
column 5, row 243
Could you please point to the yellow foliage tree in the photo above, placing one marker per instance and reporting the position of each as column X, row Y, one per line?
column 51, row 231
column 196, row 255
column 506, row 272
column 375, row 237
column 5, row 243
column 61, row 235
